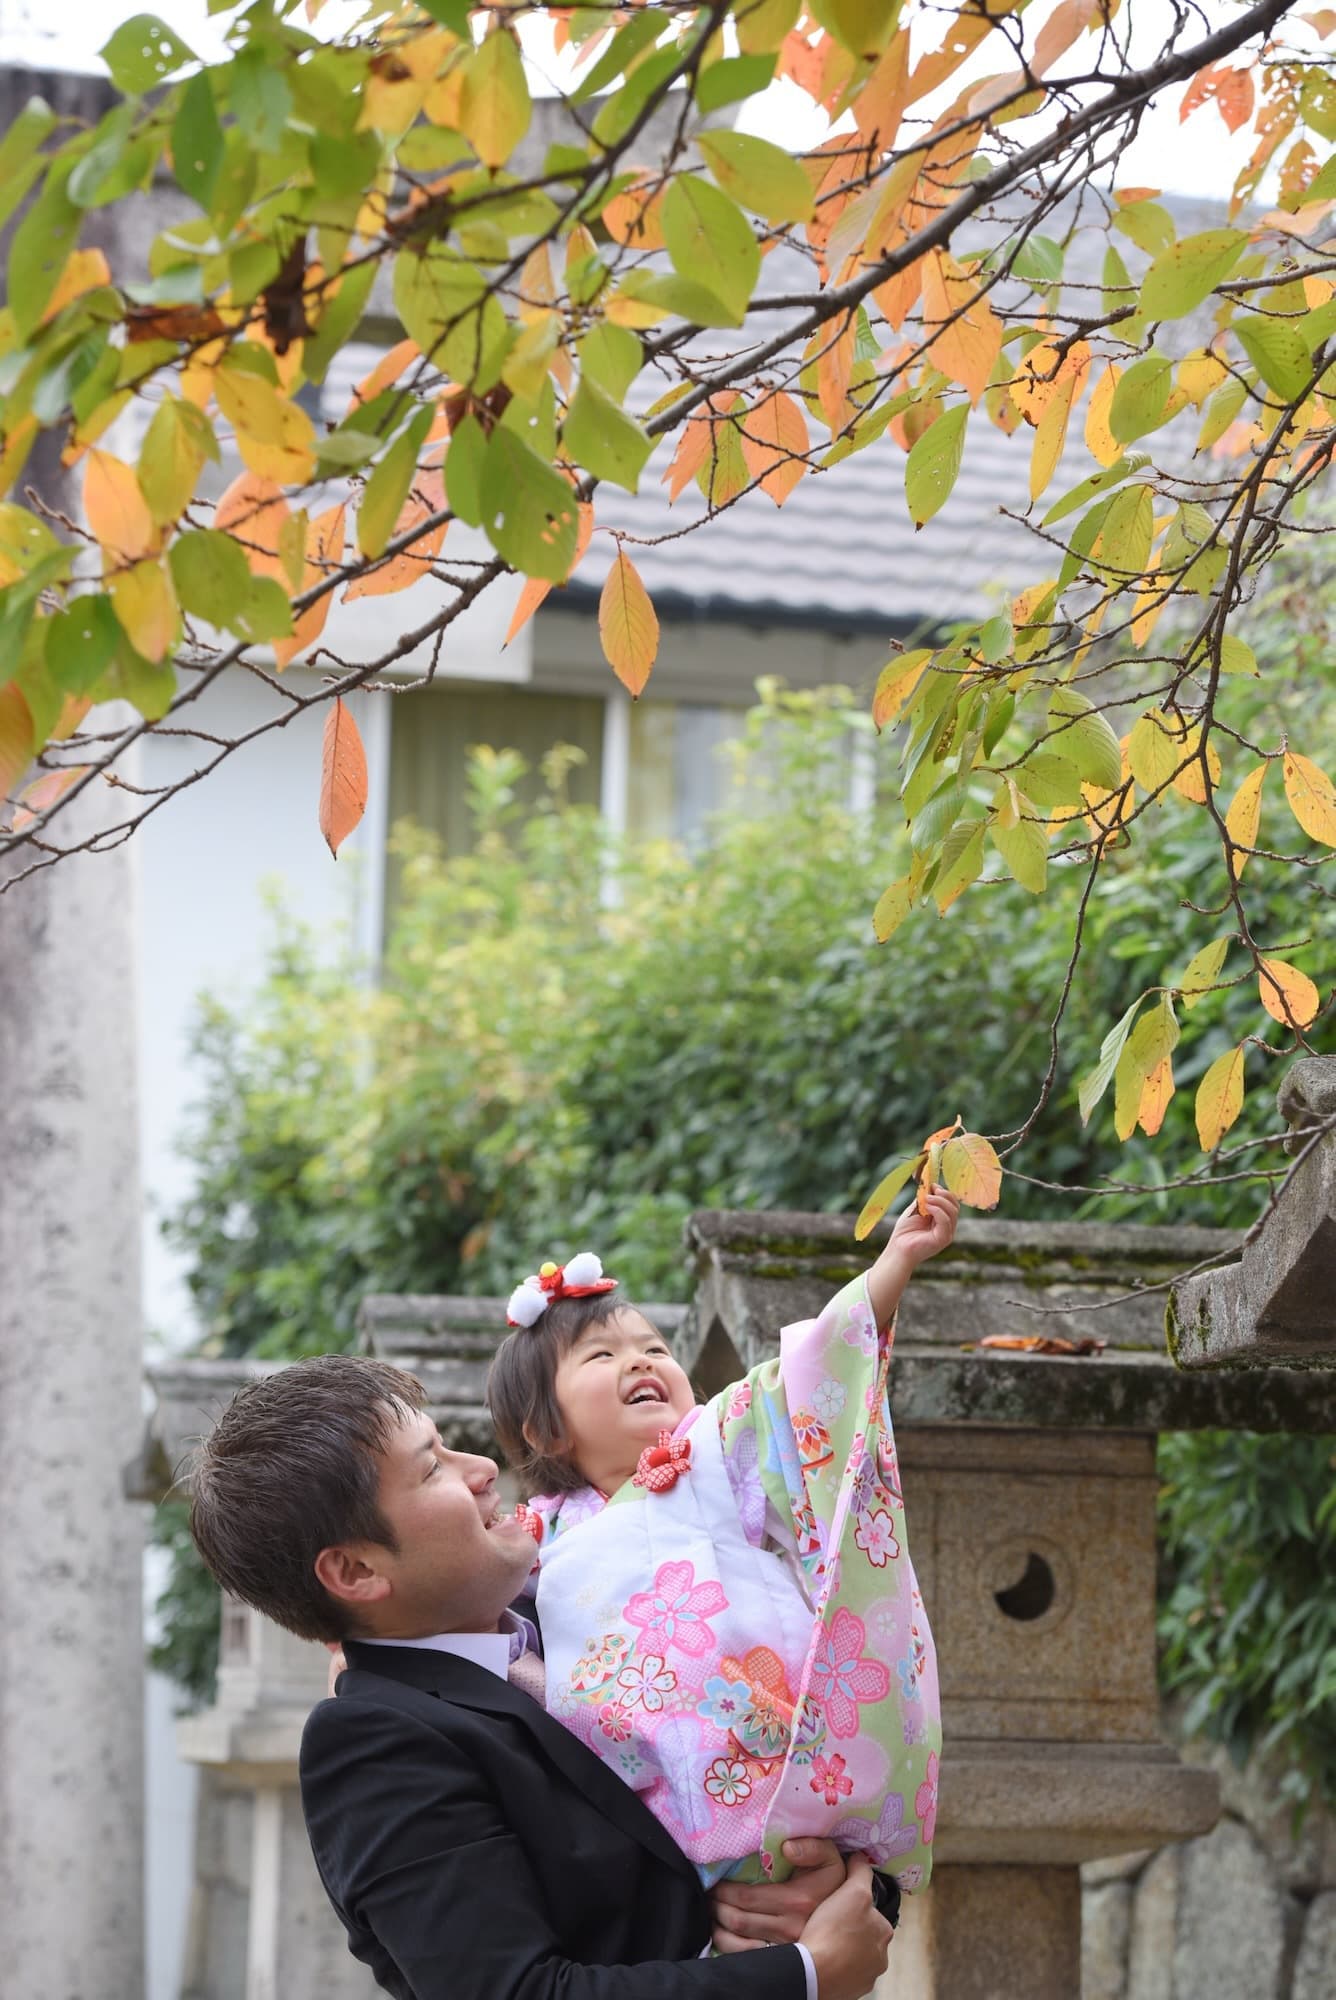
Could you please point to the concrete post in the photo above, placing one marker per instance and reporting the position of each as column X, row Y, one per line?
column 71, row 1647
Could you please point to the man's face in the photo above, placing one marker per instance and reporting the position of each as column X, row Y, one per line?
column 460, row 1561
column 617, row 1387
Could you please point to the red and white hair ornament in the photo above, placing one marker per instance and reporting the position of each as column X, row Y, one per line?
column 579, row 1278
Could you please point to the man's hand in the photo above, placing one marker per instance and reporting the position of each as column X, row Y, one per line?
column 848, row 1937
column 750, row 1914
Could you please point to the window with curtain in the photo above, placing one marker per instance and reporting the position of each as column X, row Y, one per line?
column 677, row 777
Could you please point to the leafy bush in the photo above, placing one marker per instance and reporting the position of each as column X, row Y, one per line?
column 575, row 1043
column 1247, row 1611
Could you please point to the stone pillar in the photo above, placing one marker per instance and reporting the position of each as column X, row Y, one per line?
column 71, row 1646
column 1030, row 1918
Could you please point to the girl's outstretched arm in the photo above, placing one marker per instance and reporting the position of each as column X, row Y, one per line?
column 914, row 1239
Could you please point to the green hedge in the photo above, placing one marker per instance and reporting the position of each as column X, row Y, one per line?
column 574, row 1045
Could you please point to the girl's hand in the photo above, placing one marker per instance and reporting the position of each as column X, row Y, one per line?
column 917, row 1237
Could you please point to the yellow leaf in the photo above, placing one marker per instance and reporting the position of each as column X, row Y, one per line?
column 17, row 747
column 1288, row 995
column 1219, row 1098
column 1050, row 436
column 627, row 625
column 13, row 456
column 774, row 443
column 1153, row 754
column 1312, row 797
column 115, row 508
column 896, row 683
column 1244, row 817
column 343, row 780
column 1190, row 783
column 893, row 906
column 970, row 339
column 324, row 550
column 145, row 605
column 276, row 438
column 930, row 1173
column 1100, row 440
column 1200, row 375
column 972, row 1170
column 84, row 271
column 883, row 1195
column 494, row 106
column 1203, row 970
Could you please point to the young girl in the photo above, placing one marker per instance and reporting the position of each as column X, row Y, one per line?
column 730, row 1619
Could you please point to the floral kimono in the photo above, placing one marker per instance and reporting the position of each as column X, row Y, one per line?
column 738, row 1632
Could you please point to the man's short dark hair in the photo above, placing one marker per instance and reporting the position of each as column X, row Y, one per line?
column 521, row 1396
column 293, row 1467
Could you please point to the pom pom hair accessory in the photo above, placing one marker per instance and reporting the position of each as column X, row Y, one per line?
column 580, row 1278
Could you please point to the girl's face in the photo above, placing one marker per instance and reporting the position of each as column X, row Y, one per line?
column 617, row 1387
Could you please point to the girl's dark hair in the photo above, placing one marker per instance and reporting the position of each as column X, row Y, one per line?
column 521, row 1392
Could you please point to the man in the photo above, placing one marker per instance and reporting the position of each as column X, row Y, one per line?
column 471, row 1846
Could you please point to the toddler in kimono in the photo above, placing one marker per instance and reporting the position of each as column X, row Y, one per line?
column 729, row 1614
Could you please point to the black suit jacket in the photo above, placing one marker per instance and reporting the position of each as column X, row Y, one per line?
column 476, row 1851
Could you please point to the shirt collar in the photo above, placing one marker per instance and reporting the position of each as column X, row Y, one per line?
column 497, row 1651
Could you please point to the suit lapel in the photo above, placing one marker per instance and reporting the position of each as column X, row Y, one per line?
column 471, row 1686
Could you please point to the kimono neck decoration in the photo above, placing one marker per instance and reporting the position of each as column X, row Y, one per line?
column 581, row 1278
column 661, row 1465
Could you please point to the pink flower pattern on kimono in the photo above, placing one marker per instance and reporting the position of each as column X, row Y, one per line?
column 925, row 1801
column 842, row 1676
column 740, row 1401
column 742, row 1464
column 829, row 1780
column 860, row 1327
column 813, row 1439
column 614, row 1722
column 880, row 1842
column 674, row 1612
column 875, row 1536
column 644, row 1683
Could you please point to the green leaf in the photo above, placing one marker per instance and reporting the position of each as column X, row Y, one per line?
column 1185, row 274
column 1085, row 737
column 143, row 53
column 711, row 243
column 176, row 445
column 732, row 79
column 603, row 439
column 1150, row 227
column 680, row 296
column 81, row 643
column 453, row 14
column 640, row 33
column 23, row 138
column 621, row 108
column 464, row 462
column 1202, row 972
column 528, row 510
column 1317, row 103
column 962, row 862
column 1237, row 656
column 611, row 356
column 197, row 141
column 261, row 99
column 1279, row 354
column 346, row 164
column 1024, row 848
column 884, row 1194
column 211, row 575
column 387, row 488
column 443, row 303
column 40, row 246
column 1154, row 753
column 264, row 613
column 760, row 176
column 1038, row 262
column 934, row 462
column 1098, row 482
column 1140, row 398
column 861, row 26
column 1125, row 537
column 1049, row 781
column 1093, row 1086
column 18, row 607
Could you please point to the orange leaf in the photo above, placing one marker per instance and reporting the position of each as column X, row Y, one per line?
column 1231, row 89
column 388, row 369
column 1155, row 1094
column 1245, row 816
column 627, row 625
column 774, row 443
column 633, row 219
column 1288, row 995
column 253, row 511
column 880, row 104
column 426, row 498
column 1219, row 1098
column 39, row 796
column 972, row 1170
column 1312, row 797
column 929, row 1174
column 1100, row 441
column 115, row 509
column 834, row 371
column 324, row 549
column 537, row 587
column 968, row 346
column 694, row 448
column 17, row 747
column 342, row 777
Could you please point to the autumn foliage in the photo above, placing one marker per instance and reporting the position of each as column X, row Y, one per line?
column 961, row 251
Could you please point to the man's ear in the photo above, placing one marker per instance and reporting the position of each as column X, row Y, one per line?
column 349, row 1577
